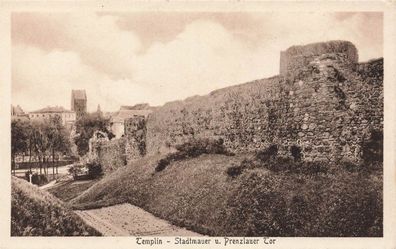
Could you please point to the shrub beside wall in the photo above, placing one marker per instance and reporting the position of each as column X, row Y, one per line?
column 192, row 149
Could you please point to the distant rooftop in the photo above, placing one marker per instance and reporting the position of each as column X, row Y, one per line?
column 79, row 94
column 121, row 115
column 52, row 109
column 142, row 106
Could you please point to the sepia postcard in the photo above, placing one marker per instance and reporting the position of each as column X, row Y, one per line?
column 198, row 124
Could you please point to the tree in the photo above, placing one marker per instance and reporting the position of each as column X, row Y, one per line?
column 19, row 138
column 58, row 138
column 46, row 139
column 29, row 132
column 86, row 126
column 40, row 141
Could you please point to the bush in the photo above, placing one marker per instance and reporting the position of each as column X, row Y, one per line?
column 235, row 170
column 196, row 147
column 288, row 165
column 269, row 159
column 27, row 175
column 36, row 178
column 94, row 169
column 349, row 166
column 284, row 164
column 91, row 170
column 162, row 163
column 373, row 148
column 269, row 153
column 279, row 164
column 311, row 167
column 296, row 152
column 177, row 156
column 191, row 149
column 79, row 171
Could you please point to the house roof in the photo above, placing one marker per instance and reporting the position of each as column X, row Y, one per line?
column 52, row 109
column 142, row 106
column 122, row 115
column 79, row 94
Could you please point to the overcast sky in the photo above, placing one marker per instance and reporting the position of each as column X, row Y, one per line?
column 155, row 57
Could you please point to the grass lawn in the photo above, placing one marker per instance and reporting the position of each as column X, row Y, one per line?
column 70, row 189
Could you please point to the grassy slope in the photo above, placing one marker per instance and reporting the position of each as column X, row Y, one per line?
column 37, row 213
column 177, row 193
column 68, row 190
column 198, row 194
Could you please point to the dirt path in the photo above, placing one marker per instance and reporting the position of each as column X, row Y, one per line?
column 127, row 220
column 48, row 185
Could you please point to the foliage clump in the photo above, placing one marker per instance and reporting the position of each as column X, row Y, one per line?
column 268, row 159
column 86, row 169
column 296, row 152
column 191, row 149
column 373, row 148
column 85, row 128
column 94, row 169
column 36, row 178
column 237, row 169
column 269, row 153
column 234, row 170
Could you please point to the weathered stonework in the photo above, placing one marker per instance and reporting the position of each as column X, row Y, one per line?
column 297, row 57
column 111, row 155
column 117, row 152
column 323, row 102
column 135, row 134
column 334, row 108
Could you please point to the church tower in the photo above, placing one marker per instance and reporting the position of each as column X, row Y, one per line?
column 99, row 111
column 79, row 102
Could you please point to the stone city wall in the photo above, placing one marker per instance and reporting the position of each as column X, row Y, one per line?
column 325, row 103
column 135, row 135
column 239, row 115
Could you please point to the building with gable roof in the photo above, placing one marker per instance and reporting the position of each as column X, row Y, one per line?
column 117, row 121
column 68, row 117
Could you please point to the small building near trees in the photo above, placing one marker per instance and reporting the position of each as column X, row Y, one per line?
column 68, row 117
